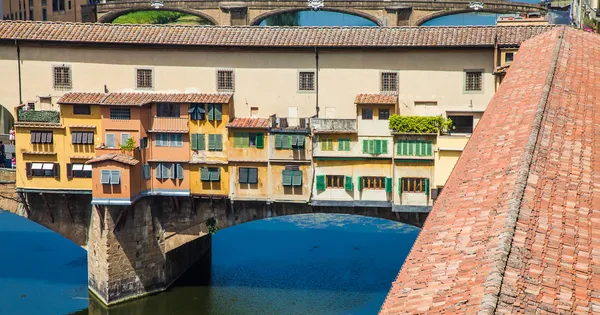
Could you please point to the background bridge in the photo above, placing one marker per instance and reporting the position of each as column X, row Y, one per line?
column 383, row 13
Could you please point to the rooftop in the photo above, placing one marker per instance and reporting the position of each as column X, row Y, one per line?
column 249, row 123
column 252, row 36
column 516, row 229
column 389, row 99
column 117, row 157
column 142, row 98
column 326, row 125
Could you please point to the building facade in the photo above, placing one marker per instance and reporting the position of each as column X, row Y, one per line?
column 43, row 10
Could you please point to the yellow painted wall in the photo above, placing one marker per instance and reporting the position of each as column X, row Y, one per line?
column 259, row 191
column 250, row 153
column 291, row 193
column 199, row 187
column 355, row 146
column 211, row 127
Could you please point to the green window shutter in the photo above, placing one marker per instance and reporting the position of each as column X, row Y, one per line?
column 218, row 111
column 243, row 177
column 286, row 179
column 388, row 184
column 297, row 178
column 404, row 147
column 418, row 147
column 410, row 148
column 372, row 146
column 320, row 182
column 204, row 175
column 253, row 175
column 294, row 140
column 194, row 141
column 201, row 142
column 278, row 141
column 400, row 185
column 429, row 148
column 211, row 142
column 219, row 142
column 211, row 112
column 245, row 142
column 365, row 146
column 215, row 174
column 378, row 147
column 287, row 142
column 348, row 183
column 426, row 186
column 329, row 144
column 301, row 141
column 384, row 146
column 260, row 140
column 360, row 183
column 237, row 139
column 398, row 148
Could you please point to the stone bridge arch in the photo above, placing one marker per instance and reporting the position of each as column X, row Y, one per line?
column 112, row 15
column 420, row 21
column 261, row 17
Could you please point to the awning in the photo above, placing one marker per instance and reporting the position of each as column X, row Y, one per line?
column 36, row 166
column 87, row 167
column 48, row 166
column 78, row 167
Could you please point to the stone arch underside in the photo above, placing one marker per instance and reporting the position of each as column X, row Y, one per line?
column 111, row 16
column 257, row 20
column 438, row 14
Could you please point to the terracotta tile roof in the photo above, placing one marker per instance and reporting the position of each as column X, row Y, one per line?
column 249, row 123
column 516, row 230
column 141, row 98
column 244, row 36
column 26, row 124
column 38, row 153
column 376, row 99
column 121, row 158
column 83, row 126
column 81, row 157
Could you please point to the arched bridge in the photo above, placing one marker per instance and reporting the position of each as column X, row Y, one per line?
column 383, row 13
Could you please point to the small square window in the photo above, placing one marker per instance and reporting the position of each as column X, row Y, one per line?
column 62, row 77
column 225, row 80
column 306, row 81
column 367, row 113
column 144, row 79
column 389, row 82
column 473, row 80
column 508, row 57
column 120, row 113
column 384, row 113
column 81, row 110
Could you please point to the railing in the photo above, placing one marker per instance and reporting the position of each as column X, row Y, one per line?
column 172, row 124
column 290, row 122
column 324, row 124
column 48, row 116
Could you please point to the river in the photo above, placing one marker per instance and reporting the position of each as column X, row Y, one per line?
column 304, row 264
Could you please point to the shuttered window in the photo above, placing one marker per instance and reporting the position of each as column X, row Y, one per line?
column 162, row 170
column 82, row 137
column 291, row 178
column 372, row 182
column 105, row 176
column 343, row 144
column 326, row 144
column 42, row 169
column 146, row 171
column 115, row 177
column 375, row 147
column 215, row 112
column 248, row 139
column 348, row 183
column 335, row 181
column 414, row 148
column 42, row 137
column 124, row 138
column 248, row 175
column 198, row 142
column 414, row 185
column 79, row 170
column 168, row 140
column 197, row 111
column 215, row 142
column 210, row 174
column 180, row 171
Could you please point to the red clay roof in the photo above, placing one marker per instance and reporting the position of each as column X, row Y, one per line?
column 376, row 99
column 268, row 36
column 517, row 228
column 121, row 158
column 142, row 98
column 249, row 123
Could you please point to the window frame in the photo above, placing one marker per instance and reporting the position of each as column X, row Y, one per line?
column 56, row 77
column 364, row 110
column 407, row 183
column 106, row 140
column 373, row 182
column 87, row 111
column 84, row 136
column 218, row 77
column 512, row 57
column 379, row 110
column 174, row 110
column 312, row 85
column 383, row 85
column 121, row 115
column 138, row 70
column 465, row 81
column 335, row 181
column 452, row 131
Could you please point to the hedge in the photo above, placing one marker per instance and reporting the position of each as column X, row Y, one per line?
column 419, row 124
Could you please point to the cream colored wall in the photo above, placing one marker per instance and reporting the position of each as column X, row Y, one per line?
column 418, row 170
column 264, row 79
column 449, row 149
column 375, row 126
column 356, row 146
column 72, row 15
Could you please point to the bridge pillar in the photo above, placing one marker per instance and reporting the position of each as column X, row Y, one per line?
column 132, row 253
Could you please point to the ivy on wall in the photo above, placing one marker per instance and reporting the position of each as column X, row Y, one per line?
column 419, row 124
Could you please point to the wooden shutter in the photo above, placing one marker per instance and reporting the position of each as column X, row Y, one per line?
column 360, row 183
column 157, row 171
column 260, row 140
column 371, row 147
column 110, row 140
column 204, row 174
column 426, row 188
column 297, row 178
column 278, row 140
column 172, row 170
column 179, row 171
column 243, row 175
column 218, row 111
column 329, row 144
column 237, row 139
column 194, row 141
column 410, row 150
column 215, row 174
column 211, row 112
column 348, row 183
column 365, row 146
column 211, row 142
column 244, row 139
column 429, row 149
column 384, row 146
column 146, row 171
column 69, row 170
column 301, row 141
column 400, row 185
column 28, row 170
column 56, row 170
column 294, row 140
column 219, row 142
column 323, row 144
column 286, row 141
column 115, row 177
column 388, row 184
column 201, row 142
column 253, row 176
column 286, row 179
column 377, row 147
column 320, row 182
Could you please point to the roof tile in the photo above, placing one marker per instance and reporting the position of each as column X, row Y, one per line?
column 117, row 157
column 249, row 123
column 142, row 98
column 376, row 99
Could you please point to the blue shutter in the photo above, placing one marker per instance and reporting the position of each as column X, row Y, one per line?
column 172, row 170
column 286, row 178
column 179, row 171
column 297, row 178
column 253, row 176
column 204, row 174
column 211, row 112
column 115, row 177
column 157, row 171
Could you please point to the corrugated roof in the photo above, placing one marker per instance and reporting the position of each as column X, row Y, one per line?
column 142, row 98
column 376, row 99
column 243, row 36
column 249, row 123
column 117, row 157
column 516, row 229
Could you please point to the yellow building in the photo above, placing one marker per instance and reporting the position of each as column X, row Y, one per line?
column 209, row 144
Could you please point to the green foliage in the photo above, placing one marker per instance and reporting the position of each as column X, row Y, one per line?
column 419, row 124
column 39, row 116
column 160, row 17
column 129, row 145
column 284, row 19
column 211, row 225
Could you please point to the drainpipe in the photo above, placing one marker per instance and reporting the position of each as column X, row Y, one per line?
column 19, row 71
column 317, row 82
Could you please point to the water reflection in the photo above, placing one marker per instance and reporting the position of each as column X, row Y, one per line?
column 316, row 18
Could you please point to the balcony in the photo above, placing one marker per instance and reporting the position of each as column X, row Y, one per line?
column 333, row 125
column 289, row 123
column 169, row 125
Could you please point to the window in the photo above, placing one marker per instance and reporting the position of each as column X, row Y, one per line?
column 82, row 137
column 81, row 110
column 144, row 143
column 326, row 144
column 44, row 3
column 62, row 77
column 197, row 112
column 79, row 170
column 248, row 175
column 473, row 80
column 168, row 140
column 210, row 174
column 414, row 185
column 254, row 112
column 144, row 79
column 69, row 5
column 124, row 138
column 225, row 80
column 291, row 178
column 215, row 112
column 306, row 81
column 425, row 103
column 110, row 177
column 384, row 113
column 367, row 113
column 508, row 57
column 414, row 148
column 215, row 142
column 248, row 139
column 370, row 182
column 110, row 140
column 41, row 137
column 335, row 181
column 120, row 113
column 42, row 169
column 343, row 144
column 389, row 82
column 31, row 14
column 146, row 171
column 162, row 170
column 461, row 124
column 167, row 110
column 290, row 141
column 375, row 146
column 44, row 14
column 198, row 142
column 58, row 5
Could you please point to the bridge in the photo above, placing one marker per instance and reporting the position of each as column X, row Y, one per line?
column 517, row 228
column 381, row 12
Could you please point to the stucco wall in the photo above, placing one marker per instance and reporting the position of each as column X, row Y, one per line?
column 259, row 191
column 198, row 187
column 290, row 193
column 211, row 127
